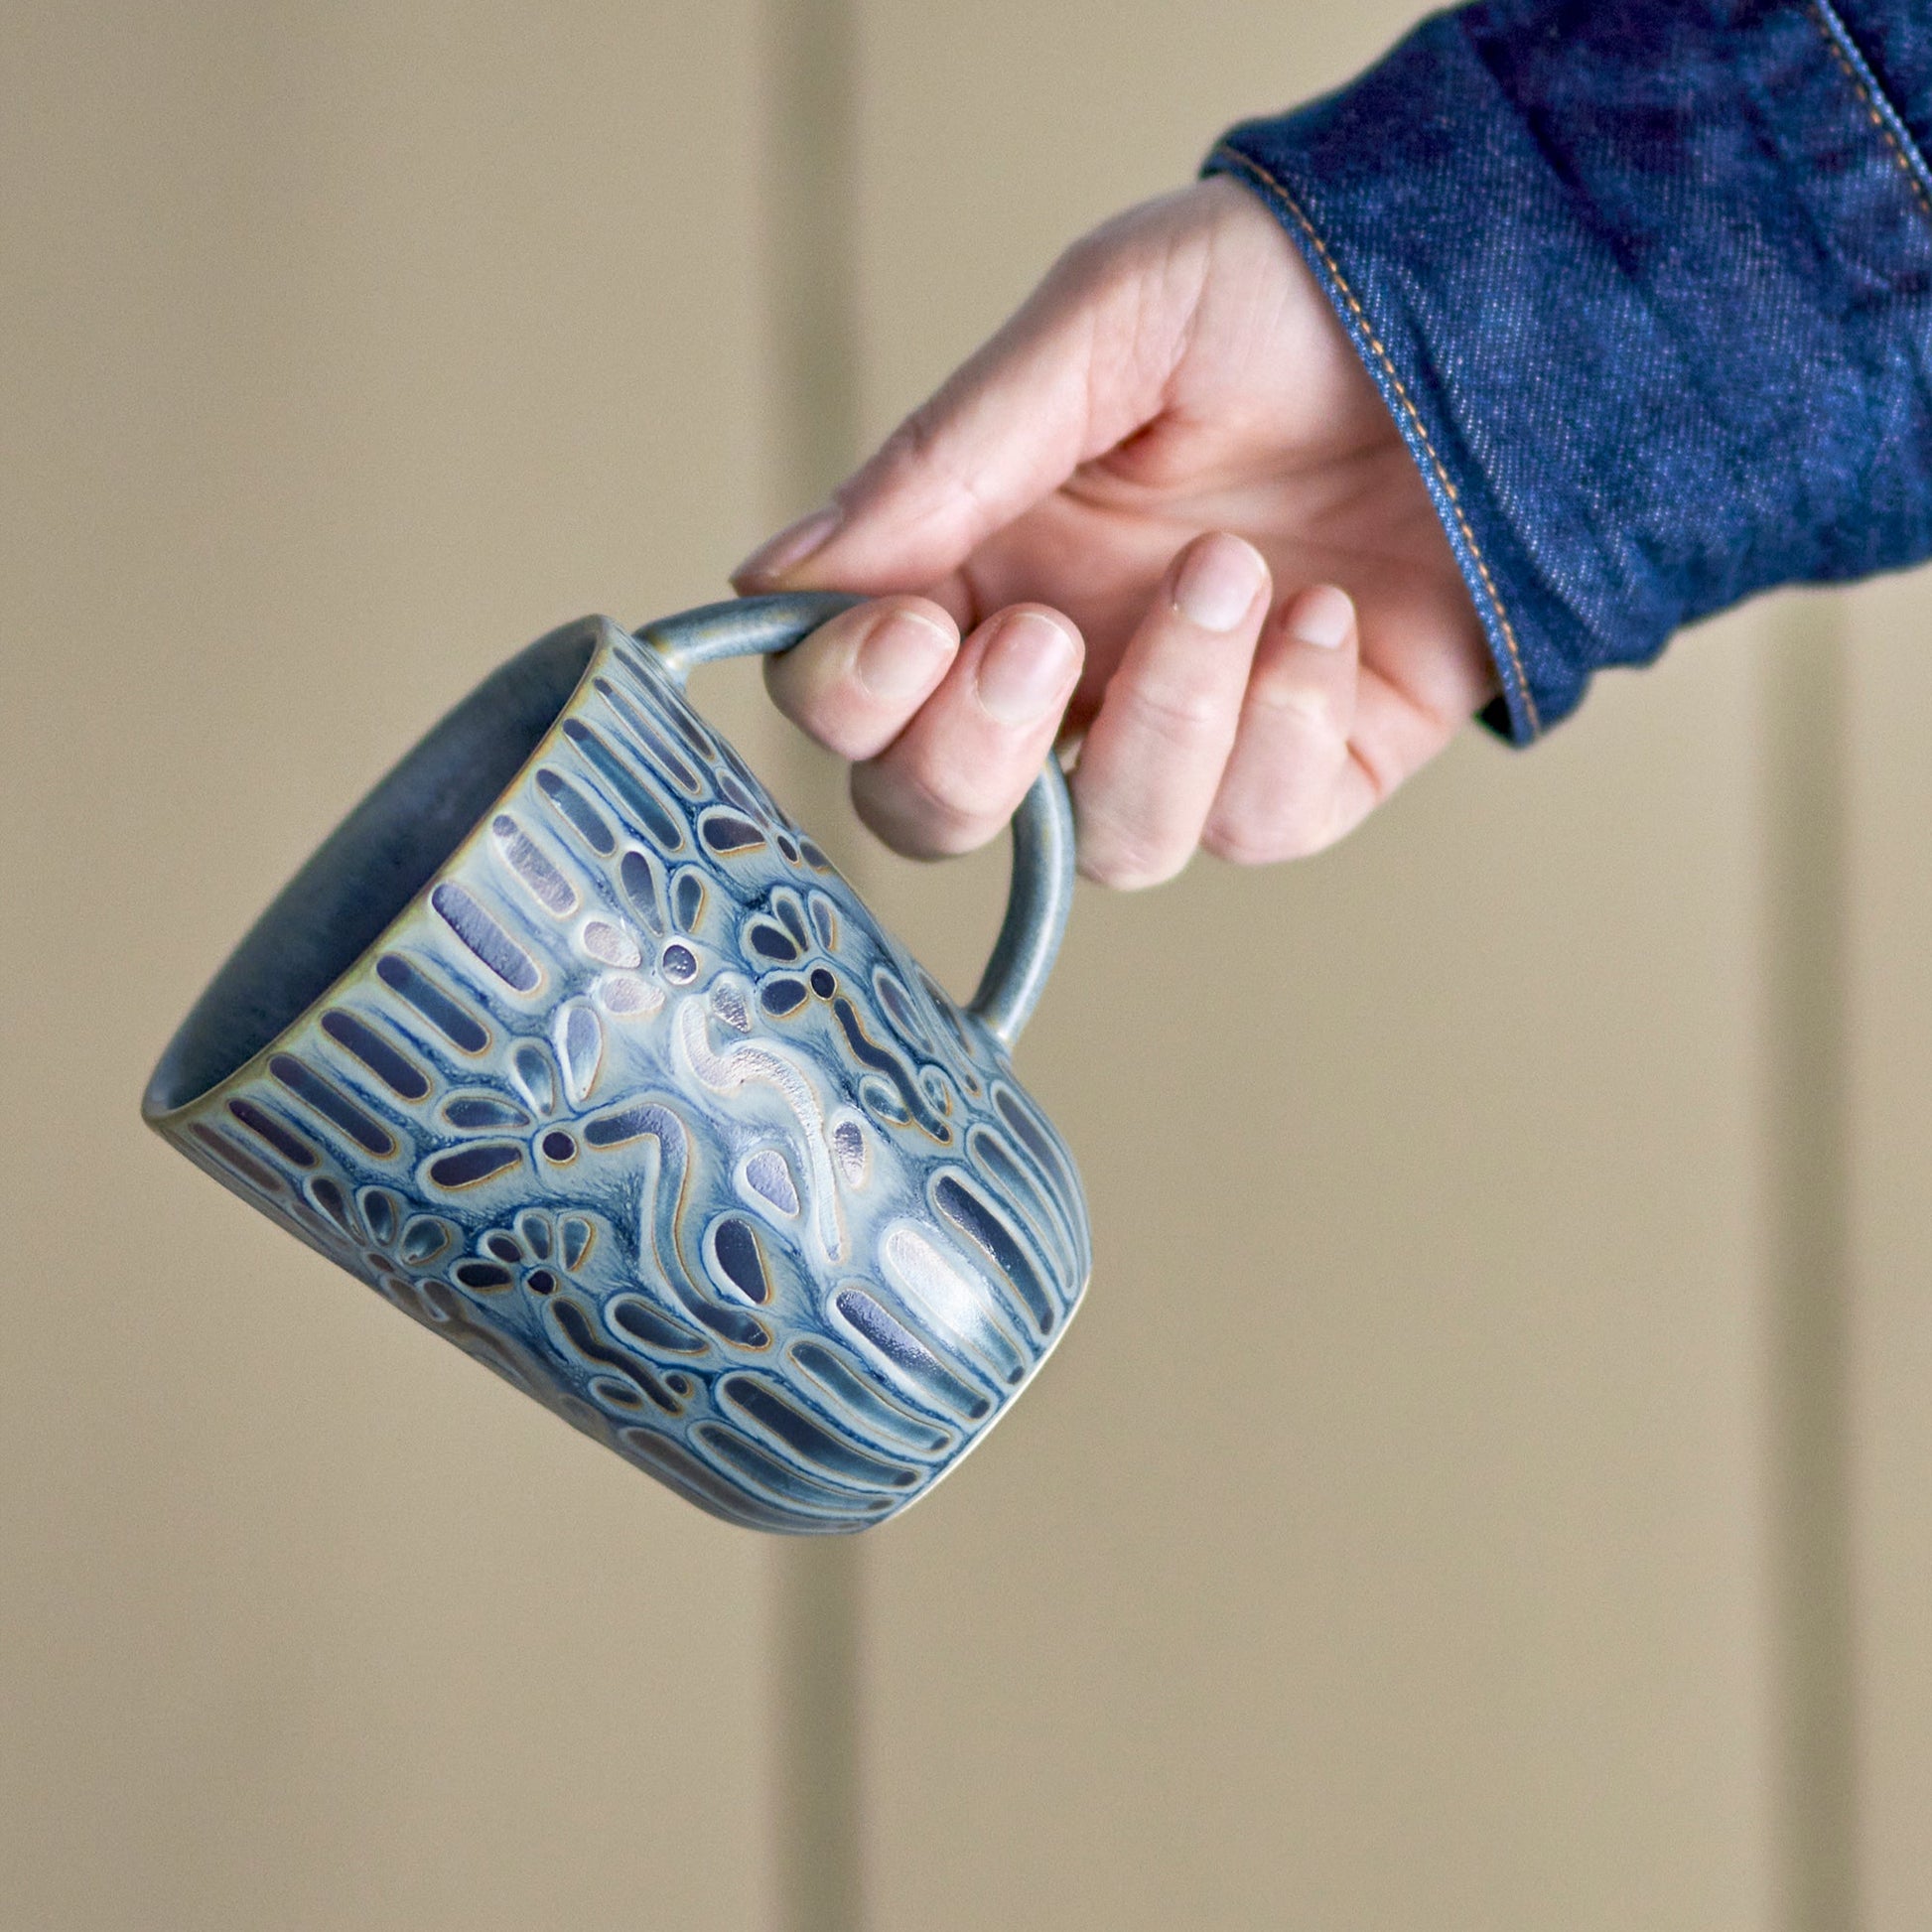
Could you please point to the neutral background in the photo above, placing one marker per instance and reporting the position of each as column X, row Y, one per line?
column 1487, row 1486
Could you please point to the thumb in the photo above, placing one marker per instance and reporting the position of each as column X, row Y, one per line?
column 1072, row 374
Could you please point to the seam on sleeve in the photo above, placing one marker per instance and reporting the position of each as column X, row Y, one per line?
column 1421, row 431
column 1882, row 115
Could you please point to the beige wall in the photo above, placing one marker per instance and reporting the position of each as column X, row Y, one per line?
column 346, row 349
column 1485, row 1488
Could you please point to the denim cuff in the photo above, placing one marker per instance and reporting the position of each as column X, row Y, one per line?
column 1647, row 285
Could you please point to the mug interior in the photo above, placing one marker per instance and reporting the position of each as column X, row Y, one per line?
column 371, row 867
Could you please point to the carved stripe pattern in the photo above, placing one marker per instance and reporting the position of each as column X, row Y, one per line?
column 640, row 1107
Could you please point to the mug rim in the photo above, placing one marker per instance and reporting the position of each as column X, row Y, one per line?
column 604, row 635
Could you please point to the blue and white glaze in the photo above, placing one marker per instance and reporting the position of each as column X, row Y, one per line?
column 637, row 1104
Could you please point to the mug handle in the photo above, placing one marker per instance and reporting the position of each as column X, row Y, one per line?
column 1041, row 892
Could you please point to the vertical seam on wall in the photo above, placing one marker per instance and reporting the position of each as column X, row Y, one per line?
column 809, row 202
column 1808, row 1284
column 1418, row 427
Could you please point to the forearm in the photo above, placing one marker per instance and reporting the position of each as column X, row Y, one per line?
column 1648, row 289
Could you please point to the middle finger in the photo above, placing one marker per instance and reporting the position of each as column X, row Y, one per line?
column 1153, row 755
column 953, row 777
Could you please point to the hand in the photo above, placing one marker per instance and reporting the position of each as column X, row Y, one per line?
column 1171, row 452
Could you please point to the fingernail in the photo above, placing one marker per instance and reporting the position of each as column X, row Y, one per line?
column 791, row 547
column 1025, row 668
column 901, row 657
column 1218, row 582
column 1321, row 617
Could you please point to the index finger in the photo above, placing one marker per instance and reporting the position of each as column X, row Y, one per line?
column 1072, row 373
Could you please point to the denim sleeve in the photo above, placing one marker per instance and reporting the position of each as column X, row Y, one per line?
column 1647, row 285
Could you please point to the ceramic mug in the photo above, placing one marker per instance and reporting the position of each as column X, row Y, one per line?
column 580, row 1053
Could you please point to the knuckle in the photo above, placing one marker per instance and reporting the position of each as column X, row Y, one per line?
column 1240, row 846
column 917, row 435
column 924, row 446
column 964, row 796
column 1127, row 857
column 1302, row 706
column 823, row 712
column 927, row 813
column 920, row 443
column 1126, row 871
column 1086, row 262
column 1241, row 840
column 1174, row 709
column 795, row 683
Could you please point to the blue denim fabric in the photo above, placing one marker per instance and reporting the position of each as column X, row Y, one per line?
column 1647, row 285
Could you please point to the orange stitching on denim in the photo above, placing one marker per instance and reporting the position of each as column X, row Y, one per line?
column 1878, row 120
column 1415, row 417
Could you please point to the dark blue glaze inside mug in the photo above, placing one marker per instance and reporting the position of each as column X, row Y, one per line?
column 580, row 1053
